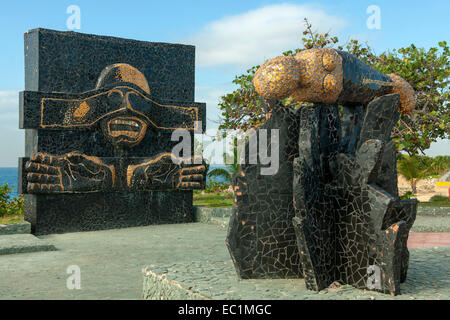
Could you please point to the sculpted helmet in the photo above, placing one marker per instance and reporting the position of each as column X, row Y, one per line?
column 125, row 128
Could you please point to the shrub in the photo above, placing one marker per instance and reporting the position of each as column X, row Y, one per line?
column 407, row 195
column 13, row 207
column 438, row 198
column 214, row 187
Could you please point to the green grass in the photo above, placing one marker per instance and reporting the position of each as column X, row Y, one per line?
column 11, row 219
column 225, row 200
column 214, row 200
column 435, row 204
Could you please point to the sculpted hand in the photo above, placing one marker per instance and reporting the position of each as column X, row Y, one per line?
column 167, row 172
column 73, row 172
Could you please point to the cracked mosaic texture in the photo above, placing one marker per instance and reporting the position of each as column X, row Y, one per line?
column 351, row 222
column 328, row 76
column 348, row 218
column 261, row 238
column 406, row 93
column 99, row 113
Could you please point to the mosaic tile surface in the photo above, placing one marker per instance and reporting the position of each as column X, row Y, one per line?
column 99, row 113
column 327, row 75
column 261, row 237
column 349, row 222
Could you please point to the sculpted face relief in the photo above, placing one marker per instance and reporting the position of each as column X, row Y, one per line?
column 122, row 108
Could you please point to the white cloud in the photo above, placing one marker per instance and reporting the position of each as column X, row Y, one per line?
column 249, row 38
column 211, row 96
column 12, row 138
column 8, row 100
column 9, row 109
column 439, row 148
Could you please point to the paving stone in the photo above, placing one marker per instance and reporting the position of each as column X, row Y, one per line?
column 432, row 223
column 427, row 279
column 22, row 243
column 111, row 264
column 15, row 228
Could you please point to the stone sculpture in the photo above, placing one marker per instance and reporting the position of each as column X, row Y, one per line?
column 332, row 212
column 99, row 147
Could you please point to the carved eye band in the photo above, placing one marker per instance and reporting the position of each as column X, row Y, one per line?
column 115, row 97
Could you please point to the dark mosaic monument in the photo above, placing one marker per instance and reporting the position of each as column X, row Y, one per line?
column 98, row 114
column 332, row 211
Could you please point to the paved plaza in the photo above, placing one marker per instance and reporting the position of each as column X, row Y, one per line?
column 111, row 264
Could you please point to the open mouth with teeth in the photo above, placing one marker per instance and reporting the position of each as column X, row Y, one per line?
column 126, row 129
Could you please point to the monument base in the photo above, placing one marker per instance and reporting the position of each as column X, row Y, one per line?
column 61, row 213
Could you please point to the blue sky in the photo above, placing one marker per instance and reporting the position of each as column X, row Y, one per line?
column 230, row 36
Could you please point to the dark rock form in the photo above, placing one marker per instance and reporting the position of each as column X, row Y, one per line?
column 99, row 113
column 261, row 238
column 349, row 222
column 351, row 226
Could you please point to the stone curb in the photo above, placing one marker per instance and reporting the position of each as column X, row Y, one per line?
column 23, row 243
column 424, row 221
column 158, row 287
column 433, row 211
column 15, row 228
column 207, row 215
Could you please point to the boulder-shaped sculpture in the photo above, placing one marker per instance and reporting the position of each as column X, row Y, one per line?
column 261, row 238
column 349, row 222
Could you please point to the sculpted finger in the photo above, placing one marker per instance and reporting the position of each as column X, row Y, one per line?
column 38, row 157
column 193, row 170
column 190, row 185
column 192, row 177
column 74, row 157
column 46, row 159
column 43, row 178
column 38, row 167
column 43, row 188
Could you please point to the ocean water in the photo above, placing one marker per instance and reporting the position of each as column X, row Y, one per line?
column 9, row 176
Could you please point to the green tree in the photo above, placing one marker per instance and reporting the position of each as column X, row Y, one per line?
column 410, row 168
column 426, row 70
column 232, row 168
column 440, row 165
column 10, row 207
